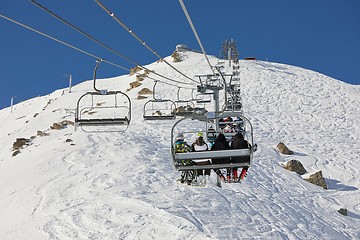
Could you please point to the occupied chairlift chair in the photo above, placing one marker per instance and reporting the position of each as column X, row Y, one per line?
column 115, row 116
column 243, row 156
column 159, row 109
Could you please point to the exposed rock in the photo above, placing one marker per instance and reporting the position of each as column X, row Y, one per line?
column 184, row 109
column 284, row 149
column 20, row 142
column 343, row 211
column 90, row 113
column 157, row 113
column 48, row 103
column 145, row 91
column 295, row 166
column 141, row 77
column 176, row 56
column 135, row 84
column 317, row 179
column 57, row 126
column 63, row 124
column 41, row 133
column 67, row 122
column 16, row 152
column 141, row 97
column 68, row 140
column 134, row 70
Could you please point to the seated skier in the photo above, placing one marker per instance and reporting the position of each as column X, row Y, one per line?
column 182, row 147
column 221, row 144
column 198, row 146
column 211, row 136
column 239, row 143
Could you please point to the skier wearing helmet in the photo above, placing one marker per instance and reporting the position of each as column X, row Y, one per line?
column 198, row 146
column 180, row 145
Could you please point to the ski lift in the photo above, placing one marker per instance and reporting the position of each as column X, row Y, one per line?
column 237, row 158
column 159, row 109
column 103, row 110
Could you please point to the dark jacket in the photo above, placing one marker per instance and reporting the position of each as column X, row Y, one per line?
column 220, row 144
column 239, row 143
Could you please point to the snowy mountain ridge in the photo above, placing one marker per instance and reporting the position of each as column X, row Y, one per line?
column 75, row 185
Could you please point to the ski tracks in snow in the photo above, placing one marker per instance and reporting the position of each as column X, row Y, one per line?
column 90, row 198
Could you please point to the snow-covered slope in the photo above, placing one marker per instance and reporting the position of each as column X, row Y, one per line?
column 76, row 185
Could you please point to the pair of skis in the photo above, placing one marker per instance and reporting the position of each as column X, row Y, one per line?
column 221, row 177
column 190, row 178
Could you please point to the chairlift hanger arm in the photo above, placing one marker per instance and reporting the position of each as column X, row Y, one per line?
column 98, row 61
column 178, row 94
column 155, row 82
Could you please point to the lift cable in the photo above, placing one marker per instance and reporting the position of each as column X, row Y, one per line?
column 102, row 44
column 64, row 43
column 141, row 41
column 173, row 85
column 195, row 33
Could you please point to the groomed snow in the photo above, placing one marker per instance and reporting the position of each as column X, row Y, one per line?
column 123, row 185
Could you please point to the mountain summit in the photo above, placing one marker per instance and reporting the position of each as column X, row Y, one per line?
column 66, row 184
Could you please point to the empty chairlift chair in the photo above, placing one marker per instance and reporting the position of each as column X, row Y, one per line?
column 103, row 110
column 159, row 109
column 184, row 107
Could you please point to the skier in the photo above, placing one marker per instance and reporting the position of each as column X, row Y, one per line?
column 239, row 143
column 211, row 135
column 198, row 146
column 221, row 144
column 182, row 147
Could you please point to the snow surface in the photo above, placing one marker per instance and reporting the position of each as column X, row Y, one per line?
column 123, row 185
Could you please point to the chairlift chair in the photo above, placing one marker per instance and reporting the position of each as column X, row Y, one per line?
column 159, row 109
column 199, row 107
column 184, row 107
column 239, row 158
column 103, row 110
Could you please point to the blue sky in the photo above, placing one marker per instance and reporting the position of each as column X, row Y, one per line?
column 321, row 35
